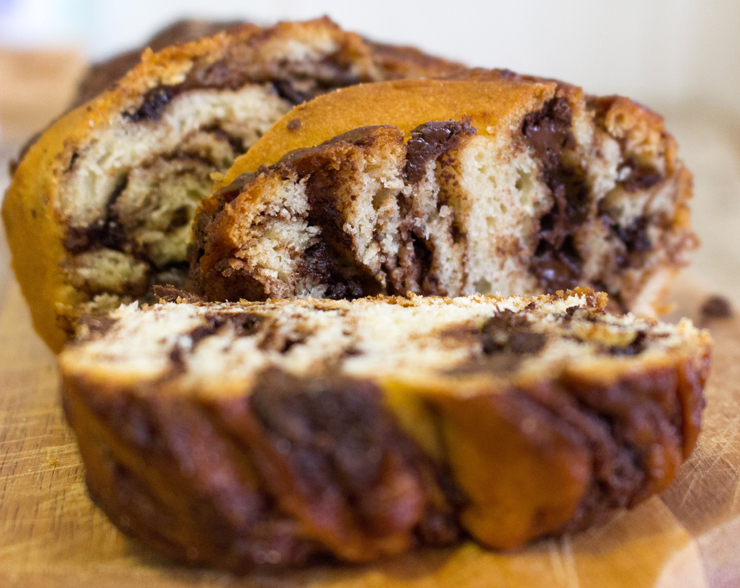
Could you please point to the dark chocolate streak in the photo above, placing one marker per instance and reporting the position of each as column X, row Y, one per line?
column 429, row 141
column 287, row 92
column 106, row 231
column 512, row 332
column 218, row 75
column 640, row 177
column 337, row 271
column 154, row 103
column 634, row 347
column 505, row 338
column 339, row 440
column 96, row 326
column 331, row 260
column 636, row 242
column 243, row 324
column 556, row 262
column 230, row 74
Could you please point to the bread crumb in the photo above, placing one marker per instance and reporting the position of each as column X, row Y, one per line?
column 717, row 306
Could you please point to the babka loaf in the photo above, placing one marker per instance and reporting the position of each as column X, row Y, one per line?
column 101, row 204
column 237, row 435
column 493, row 184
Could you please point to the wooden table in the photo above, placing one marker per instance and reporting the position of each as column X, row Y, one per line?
column 52, row 535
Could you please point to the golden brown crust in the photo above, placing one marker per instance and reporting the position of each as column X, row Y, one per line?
column 395, row 61
column 102, row 76
column 400, row 62
column 490, row 106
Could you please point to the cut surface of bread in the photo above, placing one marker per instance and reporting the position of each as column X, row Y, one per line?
column 505, row 185
column 100, row 206
column 237, row 435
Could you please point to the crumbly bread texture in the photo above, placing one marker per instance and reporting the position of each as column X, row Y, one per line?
column 236, row 435
column 101, row 204
column 505, row 184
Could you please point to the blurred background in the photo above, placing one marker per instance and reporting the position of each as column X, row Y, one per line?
column 679, row 57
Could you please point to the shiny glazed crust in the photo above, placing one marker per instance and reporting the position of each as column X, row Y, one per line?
column 33, row 212
column 309, row 453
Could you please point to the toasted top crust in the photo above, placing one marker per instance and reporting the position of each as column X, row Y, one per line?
column 491, row 106
column 101, row 76
column 405, row 105
column 395, row 61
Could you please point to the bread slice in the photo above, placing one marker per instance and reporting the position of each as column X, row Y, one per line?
column 101, row 204
column 492, row 184
column 236, row 435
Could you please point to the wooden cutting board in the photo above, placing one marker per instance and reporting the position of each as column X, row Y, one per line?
column 52, row 535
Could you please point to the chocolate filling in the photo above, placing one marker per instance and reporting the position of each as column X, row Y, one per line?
column 423, row 256
column 341, row 444
column 506, row 338
column 508, row 331
column 243, row 324
column 429, row 141
column 230, row 74
column 636, row 242
column 287, row 91
column 106, row 231
column 556, row 262
column 332, row 260
column 342, row 276
column 641, row 177
column 154, row 103
column 635, row 347
column 95, row 326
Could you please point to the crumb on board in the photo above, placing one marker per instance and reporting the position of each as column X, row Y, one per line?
column 716, row 306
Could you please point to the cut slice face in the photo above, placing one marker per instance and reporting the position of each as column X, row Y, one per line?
column 460, row 187
column 265, row 433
